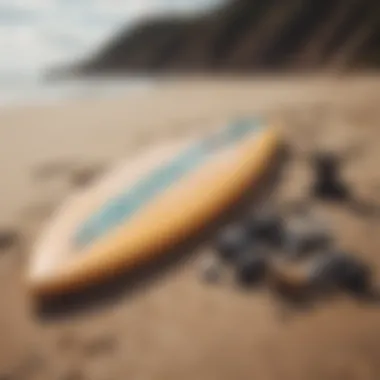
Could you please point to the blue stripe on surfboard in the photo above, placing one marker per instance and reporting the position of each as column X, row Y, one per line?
column 122, row 207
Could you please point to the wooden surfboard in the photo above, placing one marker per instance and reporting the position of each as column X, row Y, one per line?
column 149, row 203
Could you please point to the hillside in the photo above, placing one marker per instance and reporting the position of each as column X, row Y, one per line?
column 249, row 35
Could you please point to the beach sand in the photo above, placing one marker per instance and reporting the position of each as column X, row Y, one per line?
column 178, row 327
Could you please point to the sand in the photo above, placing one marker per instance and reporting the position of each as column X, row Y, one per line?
column 178, row 327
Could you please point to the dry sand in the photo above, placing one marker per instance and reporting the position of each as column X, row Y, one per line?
column 179, row 328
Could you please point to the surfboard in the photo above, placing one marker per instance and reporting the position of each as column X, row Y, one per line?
column 148, row 203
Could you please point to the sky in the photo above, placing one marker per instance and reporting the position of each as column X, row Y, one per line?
column 35, row 34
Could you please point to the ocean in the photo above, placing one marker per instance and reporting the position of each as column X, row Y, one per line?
column 37, row 35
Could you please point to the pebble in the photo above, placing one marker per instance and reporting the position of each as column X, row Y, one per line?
column 341, row 270
column 250, row 269
column 304, row 237
column 266, row 227
column 210, row 269
column 232, row 241
column 327, row 183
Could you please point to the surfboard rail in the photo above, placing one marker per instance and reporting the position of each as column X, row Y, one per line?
column 179, row 210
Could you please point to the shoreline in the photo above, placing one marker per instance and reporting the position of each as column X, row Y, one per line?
column 131, row 85
column 107, row 129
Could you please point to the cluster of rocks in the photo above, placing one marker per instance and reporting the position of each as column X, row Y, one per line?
column 297, row 251
column 294, row 252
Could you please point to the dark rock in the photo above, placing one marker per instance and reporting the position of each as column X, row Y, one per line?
column 250, row 269
column 343, row 271
column 266, row 228
column 231, row 242
column 328, row 184
column 325, row 271
column 307, row 239
column 211, row 269
column 355, row 277
column 331, row 191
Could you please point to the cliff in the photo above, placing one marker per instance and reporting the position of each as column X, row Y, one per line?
column 249, row 36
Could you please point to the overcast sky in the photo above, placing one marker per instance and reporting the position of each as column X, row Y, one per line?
column 37, row 33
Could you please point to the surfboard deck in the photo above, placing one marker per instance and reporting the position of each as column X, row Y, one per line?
column 147, row 204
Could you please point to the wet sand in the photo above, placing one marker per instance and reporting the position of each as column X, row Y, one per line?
column 177, row 326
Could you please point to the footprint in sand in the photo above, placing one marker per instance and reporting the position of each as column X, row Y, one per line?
column 8, row 239
column 78, row 174
column 85, row 175
column 50, row 170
